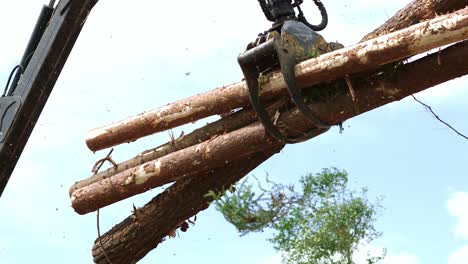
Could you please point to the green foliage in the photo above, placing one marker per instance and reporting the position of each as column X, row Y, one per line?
column 247, row 211
column 324, row 223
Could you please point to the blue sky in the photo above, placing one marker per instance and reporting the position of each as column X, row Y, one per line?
column 131, row 58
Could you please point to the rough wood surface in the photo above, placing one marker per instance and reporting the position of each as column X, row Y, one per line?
column 222, row 126
column 242, row 142
column 415, row 12
column 367, row 55
column 126, row 242
column 188, row 162
column 131, row 240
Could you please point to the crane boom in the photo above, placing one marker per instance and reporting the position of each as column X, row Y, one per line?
column 48, row 49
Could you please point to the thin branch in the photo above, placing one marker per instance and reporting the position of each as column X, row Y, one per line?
column 97, row 166
column 438, row 118
column 99, row 238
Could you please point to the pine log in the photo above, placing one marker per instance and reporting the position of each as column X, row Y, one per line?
column 120, row 242
column 188, row 162
column 415, row 12
column 224, row 125
column 365, row 56
column 131, row 240
column 242, row 142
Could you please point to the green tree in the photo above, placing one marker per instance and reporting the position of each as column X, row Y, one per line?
column 324, row 223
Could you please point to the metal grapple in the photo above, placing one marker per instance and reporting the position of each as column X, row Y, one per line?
column 290, row 40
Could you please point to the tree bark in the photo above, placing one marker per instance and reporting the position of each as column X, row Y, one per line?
column 131, row 240
column 367, row 55
column 219, row 127
column 120, row 243
column 150, row 225
column 416, row 12
column 188, row 162
column 242, row 142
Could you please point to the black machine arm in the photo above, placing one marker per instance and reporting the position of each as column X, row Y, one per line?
column 22, row 102
column 323, row 12
column 278, row 11
column 266, row 10
column 41, row 25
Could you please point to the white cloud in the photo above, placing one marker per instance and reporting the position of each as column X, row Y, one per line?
column 367, row 251
column 457, row 206
column 401, row 258
column 459, row 257
column 362, row 255
column 273, row 260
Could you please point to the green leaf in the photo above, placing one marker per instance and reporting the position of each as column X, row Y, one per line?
column 324, row 223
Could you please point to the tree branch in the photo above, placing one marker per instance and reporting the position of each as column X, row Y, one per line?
column 438, row 118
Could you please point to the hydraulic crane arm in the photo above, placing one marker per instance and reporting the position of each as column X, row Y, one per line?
column 21, row 105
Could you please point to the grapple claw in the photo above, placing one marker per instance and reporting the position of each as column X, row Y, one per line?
column 277, row 50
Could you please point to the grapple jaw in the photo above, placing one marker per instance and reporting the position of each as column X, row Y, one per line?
column 295, row 43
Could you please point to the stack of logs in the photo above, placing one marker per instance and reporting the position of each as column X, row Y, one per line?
column 217, row 155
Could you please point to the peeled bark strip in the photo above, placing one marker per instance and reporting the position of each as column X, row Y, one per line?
column 367, row 55
column 140, row 233
column 133, row 238
column 222, row 126
column 370, row 94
